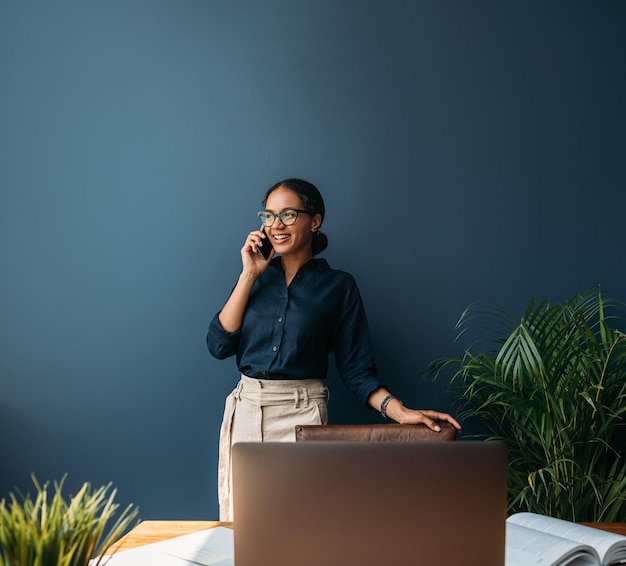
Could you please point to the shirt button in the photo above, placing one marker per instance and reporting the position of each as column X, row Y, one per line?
column 275, row 349
column 280, row 319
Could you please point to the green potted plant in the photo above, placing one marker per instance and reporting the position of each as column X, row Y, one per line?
column 551, row 385
column 54, row 532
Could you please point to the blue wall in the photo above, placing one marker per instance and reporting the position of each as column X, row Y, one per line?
column 467, row 151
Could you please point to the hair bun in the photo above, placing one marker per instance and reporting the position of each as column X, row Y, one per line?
column 320, row 242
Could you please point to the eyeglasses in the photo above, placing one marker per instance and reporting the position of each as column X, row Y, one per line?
column 287, row 216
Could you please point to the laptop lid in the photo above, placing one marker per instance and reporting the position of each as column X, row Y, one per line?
column 369, row 503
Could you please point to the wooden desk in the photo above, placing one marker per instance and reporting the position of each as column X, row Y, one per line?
column 617, row 528
column 148, row 532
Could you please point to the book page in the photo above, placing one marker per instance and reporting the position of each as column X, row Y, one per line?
column 611, row 547
column 212, row 547
column 527, row 547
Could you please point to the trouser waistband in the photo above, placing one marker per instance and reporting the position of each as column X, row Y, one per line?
column 265, row 392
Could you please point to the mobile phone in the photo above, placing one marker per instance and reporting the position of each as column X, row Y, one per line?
column 265, row 248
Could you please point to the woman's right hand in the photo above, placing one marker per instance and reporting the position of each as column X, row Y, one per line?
column 254, row 264
column 252, row 260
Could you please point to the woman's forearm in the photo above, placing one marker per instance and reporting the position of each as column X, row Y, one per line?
column 231, row 316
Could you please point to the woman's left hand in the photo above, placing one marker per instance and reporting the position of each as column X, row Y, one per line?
column 404, row 415
column 395, row 410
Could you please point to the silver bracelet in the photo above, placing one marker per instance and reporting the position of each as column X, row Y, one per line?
column 383, row 405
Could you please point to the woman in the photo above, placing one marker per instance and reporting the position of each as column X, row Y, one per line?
column 282, row 319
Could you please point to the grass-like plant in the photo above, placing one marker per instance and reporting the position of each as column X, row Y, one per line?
column 551, row 385
column 43, row 531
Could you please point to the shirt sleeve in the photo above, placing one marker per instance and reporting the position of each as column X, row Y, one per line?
column 353, row 347
column 221, row 343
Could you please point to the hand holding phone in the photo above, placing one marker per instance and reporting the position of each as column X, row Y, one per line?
column 265, row 249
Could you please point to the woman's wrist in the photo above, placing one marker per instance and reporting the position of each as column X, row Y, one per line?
column 387, row 404
column 394, row 409
column 248, row 277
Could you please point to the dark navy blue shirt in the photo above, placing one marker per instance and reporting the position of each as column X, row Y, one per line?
column 288, row 332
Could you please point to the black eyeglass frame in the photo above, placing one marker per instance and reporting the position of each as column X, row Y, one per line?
column 274, row 216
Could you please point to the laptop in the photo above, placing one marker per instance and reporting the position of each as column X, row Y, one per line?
column 369, row 503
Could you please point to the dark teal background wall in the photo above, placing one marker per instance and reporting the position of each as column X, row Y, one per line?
column 467, row 151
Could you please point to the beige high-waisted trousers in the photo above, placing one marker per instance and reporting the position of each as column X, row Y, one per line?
column 265, row 410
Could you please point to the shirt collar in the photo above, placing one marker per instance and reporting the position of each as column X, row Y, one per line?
column 320, row 263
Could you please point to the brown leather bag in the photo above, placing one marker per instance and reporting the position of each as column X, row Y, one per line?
column 376, row 432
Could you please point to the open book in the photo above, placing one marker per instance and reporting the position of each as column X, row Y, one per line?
column 533, row 539
column 211, row 547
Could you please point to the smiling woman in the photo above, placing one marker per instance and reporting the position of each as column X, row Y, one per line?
column 286, row 314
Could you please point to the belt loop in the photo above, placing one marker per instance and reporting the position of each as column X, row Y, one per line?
column 237, row 392
column 306, row 397
column 296, row 397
